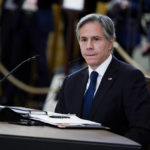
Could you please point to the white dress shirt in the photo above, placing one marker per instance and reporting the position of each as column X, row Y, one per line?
column 101, row 71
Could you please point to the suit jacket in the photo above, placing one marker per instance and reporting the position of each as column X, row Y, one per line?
column 122, row 101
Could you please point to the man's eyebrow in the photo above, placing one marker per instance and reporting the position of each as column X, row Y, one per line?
column 95, row 36
column 83, row 37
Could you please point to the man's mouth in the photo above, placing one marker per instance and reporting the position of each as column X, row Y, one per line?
column 88, row 55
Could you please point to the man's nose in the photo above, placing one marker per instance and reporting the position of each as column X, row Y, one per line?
column 89, row 44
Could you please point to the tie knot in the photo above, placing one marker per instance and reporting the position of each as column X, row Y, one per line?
column 93, row 76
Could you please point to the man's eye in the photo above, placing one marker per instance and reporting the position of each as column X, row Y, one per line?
column 96, row 39
column 83, row 40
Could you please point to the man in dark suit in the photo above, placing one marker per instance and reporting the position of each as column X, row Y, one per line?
column 122, row 98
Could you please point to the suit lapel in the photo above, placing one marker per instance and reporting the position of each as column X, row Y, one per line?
column 105, row 85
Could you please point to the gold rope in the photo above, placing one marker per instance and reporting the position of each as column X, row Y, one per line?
column 44, row 90
column 128, row 59
column 23, row 86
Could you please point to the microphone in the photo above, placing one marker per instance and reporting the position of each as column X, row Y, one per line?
column 13, row 70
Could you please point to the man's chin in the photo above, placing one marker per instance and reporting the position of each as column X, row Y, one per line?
column 92, row 65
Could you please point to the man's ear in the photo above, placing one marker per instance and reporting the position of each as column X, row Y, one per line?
column 111, row 42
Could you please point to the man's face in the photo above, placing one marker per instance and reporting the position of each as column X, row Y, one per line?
column 95, row 48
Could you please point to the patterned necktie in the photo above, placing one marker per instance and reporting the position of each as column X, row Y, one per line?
column 88, row 97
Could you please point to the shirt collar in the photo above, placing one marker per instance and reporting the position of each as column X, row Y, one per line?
column 102, row 68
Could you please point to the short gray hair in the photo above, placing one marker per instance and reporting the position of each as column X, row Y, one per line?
column 106, row 23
